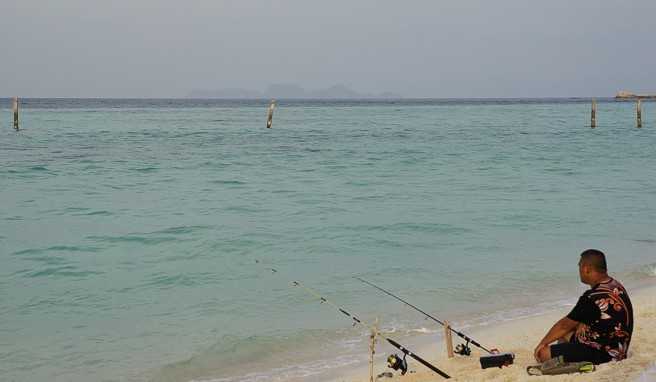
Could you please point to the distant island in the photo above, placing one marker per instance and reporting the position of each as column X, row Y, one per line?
column 290, row 91
column 628, row 95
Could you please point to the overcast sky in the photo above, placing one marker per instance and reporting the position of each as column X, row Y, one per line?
column 431, row 48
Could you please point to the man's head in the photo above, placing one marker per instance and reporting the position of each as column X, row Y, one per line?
column 592, row 266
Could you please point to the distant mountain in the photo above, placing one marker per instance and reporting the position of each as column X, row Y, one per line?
column 285, row 91
column 282, row 91
column 225, row 93
column 389, row 95
column 336, row 91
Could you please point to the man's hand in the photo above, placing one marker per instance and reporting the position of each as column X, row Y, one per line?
column 536, row 352
column 562, row 328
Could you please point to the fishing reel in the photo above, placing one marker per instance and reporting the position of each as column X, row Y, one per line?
column 463, row 349
column 395, row 362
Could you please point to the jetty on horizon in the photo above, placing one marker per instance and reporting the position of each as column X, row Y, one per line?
column 623, row 94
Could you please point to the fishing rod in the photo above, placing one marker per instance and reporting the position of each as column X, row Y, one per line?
column 356, row 321
column 464, row 350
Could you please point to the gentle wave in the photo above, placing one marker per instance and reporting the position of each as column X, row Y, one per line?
column 409, row 227
column 304, row 370
column 228, row 182
column 232, row 355
column 152, row 238
column 63, row 271
column 56, row 248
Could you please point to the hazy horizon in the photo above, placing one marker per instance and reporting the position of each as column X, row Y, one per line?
column 468, row 49
column 183, row 97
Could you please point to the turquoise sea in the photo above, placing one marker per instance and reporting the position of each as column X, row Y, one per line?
column 130, row 229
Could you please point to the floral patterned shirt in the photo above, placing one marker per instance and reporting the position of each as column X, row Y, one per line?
column 606, row 318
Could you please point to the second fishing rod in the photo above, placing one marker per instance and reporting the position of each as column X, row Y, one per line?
column 356, row 321
column 464, row 350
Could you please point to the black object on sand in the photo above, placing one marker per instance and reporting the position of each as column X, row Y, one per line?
column 497, row 360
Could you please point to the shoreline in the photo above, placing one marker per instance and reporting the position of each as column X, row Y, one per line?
column 520, row 336
column 492, row 330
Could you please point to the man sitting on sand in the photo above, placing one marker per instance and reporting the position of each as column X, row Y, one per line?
column 599, row 327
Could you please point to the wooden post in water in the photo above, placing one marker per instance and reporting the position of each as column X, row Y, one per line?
column 593, row 115
column 448, row 339
column 372, row 350
column 272, row 106
column 15, row 107
column 638, row 114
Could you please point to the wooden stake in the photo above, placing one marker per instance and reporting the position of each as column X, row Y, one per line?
column 272, row 106
column 593, row 115
column 372, row 350
column 15, row 107
column 448, row 339
column 638, row 114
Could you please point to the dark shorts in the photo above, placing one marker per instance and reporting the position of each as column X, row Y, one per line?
column 576, row 352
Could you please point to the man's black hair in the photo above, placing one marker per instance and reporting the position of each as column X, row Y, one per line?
column 595, row 258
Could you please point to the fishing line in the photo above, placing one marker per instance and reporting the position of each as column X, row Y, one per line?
column 464, row 350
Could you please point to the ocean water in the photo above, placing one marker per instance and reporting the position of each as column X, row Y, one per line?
column 130, row 229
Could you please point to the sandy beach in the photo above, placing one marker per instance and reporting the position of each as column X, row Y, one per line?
column 520, row 337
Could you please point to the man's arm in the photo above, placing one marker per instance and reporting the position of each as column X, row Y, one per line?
column 560, row 329
column 585, row 311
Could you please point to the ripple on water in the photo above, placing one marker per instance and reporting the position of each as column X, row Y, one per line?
column 165, row 280
column 151, row 238
column 180, row 230
column 133, row 238
column 38, row 168
column 144, row 170
column 64, row 271
column 228, row 182
column 56, row 248
column 438, row 228
column 98, row 213
column 29, row 172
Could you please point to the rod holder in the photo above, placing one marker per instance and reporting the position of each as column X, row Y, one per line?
column 448, row 339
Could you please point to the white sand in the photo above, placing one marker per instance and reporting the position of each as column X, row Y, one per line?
column 521, row 336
